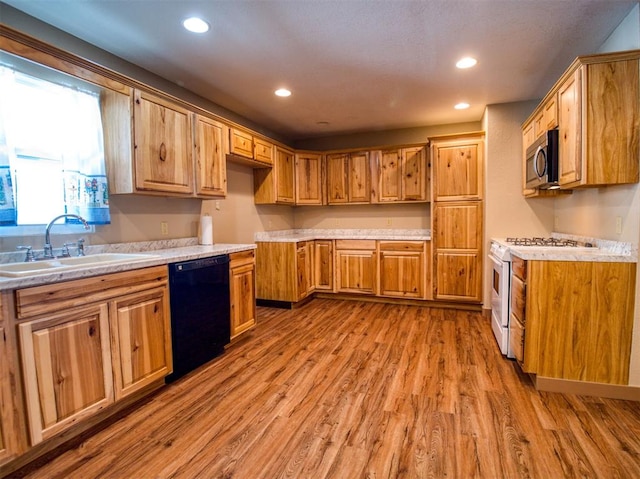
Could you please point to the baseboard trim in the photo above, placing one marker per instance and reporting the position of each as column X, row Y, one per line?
column 582, row 388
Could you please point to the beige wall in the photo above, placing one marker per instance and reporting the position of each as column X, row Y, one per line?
column 409, row 216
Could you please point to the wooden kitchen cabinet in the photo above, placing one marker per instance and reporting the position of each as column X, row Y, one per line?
column 66, row 362
column 304, row 268
column 577, row 319
column 402, row 269
column 162, row 145
column 89, row 342
column 276, row 185
column 309, row 179
column 242, row 281
column 348, row 178
column 323, row 265
column 457, row 218
column 210, row 160
column 458, row 167
column 356, row 266
column 283, row 271
column 140, row 340
column 400, row 175
column 597, row 111
column 250, row 149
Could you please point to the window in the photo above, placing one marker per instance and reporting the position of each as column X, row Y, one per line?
column 51, row 152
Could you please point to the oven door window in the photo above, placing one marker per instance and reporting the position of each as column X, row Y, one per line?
column 496, row 282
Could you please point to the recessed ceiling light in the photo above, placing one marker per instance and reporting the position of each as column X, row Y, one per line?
column 283, row 92
column 196, row 25
column 466, row 62
column 461, row 106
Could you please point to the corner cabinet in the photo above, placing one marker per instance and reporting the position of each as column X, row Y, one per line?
column 88, row 343
column 276, row 185
column 242, row 283
column 457, row 217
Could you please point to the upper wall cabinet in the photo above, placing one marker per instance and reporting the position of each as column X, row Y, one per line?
column 400, row 175
column 162, row 145
column 254, row 151
column 210, row 162
column 309, row 181
column 348, row 178
column 458, row 171
column 596, row 104
column 276, row 185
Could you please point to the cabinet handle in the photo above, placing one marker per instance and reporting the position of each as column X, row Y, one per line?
column 163, row 152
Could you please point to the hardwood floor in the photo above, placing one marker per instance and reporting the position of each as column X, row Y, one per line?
column 345, row 389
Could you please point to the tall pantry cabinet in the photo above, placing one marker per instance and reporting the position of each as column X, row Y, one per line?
column 456, row 215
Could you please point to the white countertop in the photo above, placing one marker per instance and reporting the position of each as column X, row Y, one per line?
column 604, row 251
column 160, row 252
column 288, row 236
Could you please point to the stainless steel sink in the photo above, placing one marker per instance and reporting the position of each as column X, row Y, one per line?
column 63, row 264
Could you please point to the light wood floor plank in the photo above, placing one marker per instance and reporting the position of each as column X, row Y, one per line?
column 346, row 389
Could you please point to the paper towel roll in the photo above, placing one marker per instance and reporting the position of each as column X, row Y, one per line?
column 206, row 230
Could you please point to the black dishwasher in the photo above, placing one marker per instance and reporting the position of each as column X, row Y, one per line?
column 200, row 312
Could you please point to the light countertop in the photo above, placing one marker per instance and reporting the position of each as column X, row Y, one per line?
column 605, row 251
column 160, row 252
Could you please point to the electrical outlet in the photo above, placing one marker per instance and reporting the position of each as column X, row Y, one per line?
column 619, row 225
column 217, row 205
column 388, row 221
column 556, row 223
column 164, row 228
column 337, row 223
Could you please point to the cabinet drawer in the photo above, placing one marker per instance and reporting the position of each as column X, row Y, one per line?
column 356, row 244
column 519, row 267
column 241, row 258
column 263, row 151
column 518, row 298
column 401, row 245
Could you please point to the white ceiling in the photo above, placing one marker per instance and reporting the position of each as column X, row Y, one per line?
column 359, row 65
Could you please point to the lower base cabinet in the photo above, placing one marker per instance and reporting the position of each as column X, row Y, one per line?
column 356, row 266
column 402, row 269
column 242, row 283
column 77, row 360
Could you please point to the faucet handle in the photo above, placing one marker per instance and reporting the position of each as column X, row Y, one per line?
column 77, row 244
column 29, row 256
column 81, row 247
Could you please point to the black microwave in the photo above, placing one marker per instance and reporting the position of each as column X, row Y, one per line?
column 542, row 162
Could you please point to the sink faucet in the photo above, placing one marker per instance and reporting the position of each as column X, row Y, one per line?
column 48, row 249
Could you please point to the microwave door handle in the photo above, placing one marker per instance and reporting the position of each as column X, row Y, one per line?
column 539, row 151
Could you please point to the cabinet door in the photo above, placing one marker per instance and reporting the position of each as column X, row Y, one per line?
column 338, row 178
column 458, row 225
column 242, row 283
column 356, row 271
column 528, row 137
column 163, row 148
column 285, row 176
column 570, row 130
column 389, row 176
column 402, row 269
column 141, row 340
column 458, row 275
column 8, row 448
column 359, row 178
column 263, row 151
column 240, row 143
column 458, row 170
column 414, row 174
column 67, row 369
column 211, row 164
column 309, row 179
column 323, row 265
column 304, row 269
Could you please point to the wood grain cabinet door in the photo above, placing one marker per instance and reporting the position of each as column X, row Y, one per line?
column 402, row 273
column 414, row 174
column 338, row 178
column 309, row 179
column 162, row 145
column 323, row 265
column 285, row 176
column 356, row 271
column 210, row 161
column 458, row 170
column 66, row 361
column 570, row 141
column 359, row 178
column 140, row 339
column 242, row 284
